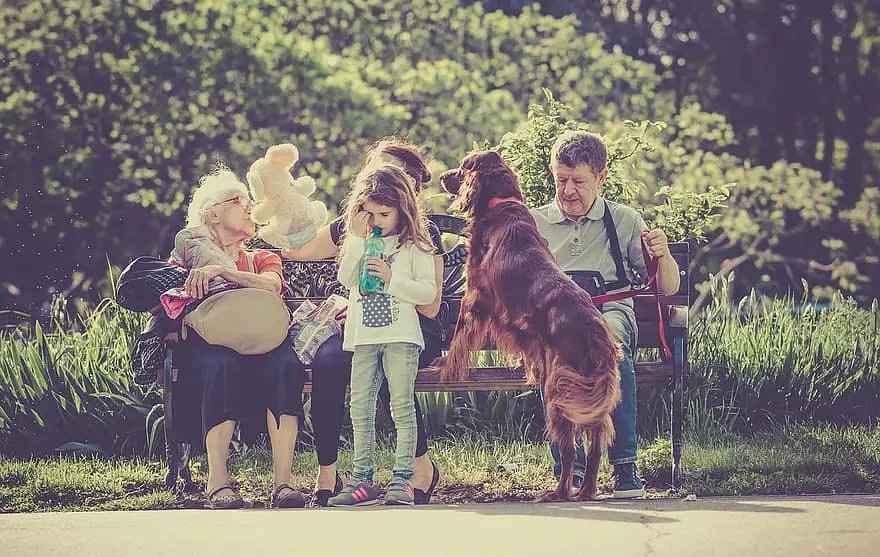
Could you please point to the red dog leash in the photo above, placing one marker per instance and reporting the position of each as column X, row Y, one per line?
column 651, row 263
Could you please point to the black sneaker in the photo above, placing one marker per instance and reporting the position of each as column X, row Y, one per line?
column 626, row 482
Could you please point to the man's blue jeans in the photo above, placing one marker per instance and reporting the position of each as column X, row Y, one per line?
column 623, row 450
column 399, row 362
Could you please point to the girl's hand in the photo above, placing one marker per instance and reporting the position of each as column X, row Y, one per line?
column 360, row 225
column 196, row 284
column 379, row 268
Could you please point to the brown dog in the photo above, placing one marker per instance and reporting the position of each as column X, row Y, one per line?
column 518, row 297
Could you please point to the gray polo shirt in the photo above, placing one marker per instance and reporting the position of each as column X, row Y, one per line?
column 583, row 245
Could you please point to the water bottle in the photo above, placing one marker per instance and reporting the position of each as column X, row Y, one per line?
column 374, row 247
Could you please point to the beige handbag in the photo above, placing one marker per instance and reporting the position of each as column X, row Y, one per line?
column 247, row 320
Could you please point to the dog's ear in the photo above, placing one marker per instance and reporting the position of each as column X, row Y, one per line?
column 451, row 180
column 470, row 193
column 488, row 162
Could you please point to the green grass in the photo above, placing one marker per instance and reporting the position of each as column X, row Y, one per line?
column 794, row 460
column 790, row 460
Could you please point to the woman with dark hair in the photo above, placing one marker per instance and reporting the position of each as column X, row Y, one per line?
column 331, row 366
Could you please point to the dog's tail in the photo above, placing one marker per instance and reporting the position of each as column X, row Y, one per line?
column 586, row 400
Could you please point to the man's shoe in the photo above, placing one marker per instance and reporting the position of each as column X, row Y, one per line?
column 626, row 483
column 356, row 494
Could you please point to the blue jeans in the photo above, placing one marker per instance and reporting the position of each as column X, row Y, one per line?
column 399, row 362
column 623, row 450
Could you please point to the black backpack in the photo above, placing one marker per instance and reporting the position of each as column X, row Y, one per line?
column 145, row 279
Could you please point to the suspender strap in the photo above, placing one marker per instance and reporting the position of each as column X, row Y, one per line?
column 611, row 231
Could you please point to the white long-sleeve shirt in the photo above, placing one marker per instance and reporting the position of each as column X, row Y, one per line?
column 412, row 283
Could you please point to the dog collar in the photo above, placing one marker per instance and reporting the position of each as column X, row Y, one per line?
column 496, row 200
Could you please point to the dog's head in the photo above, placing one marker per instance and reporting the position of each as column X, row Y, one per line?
column 480, row 177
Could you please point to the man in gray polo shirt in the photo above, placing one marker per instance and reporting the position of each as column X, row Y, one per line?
column 580, row 227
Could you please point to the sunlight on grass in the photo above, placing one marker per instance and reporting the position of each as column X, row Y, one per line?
column 792, row 460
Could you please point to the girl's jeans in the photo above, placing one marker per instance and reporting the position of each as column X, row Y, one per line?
column 399, row 362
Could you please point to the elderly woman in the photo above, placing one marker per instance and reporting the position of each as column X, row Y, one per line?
column 234, row 387
column 332, row 366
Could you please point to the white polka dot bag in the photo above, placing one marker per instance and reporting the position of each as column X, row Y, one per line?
column 377, row 309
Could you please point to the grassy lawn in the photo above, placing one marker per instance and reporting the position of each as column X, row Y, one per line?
column 784, row 461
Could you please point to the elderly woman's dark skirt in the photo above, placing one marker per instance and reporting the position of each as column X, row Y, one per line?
column 217, row 384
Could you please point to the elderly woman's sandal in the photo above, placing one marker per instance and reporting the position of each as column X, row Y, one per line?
column 285, row 497
column 228, row 500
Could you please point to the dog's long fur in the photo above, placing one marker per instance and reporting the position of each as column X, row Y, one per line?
column 518, row 297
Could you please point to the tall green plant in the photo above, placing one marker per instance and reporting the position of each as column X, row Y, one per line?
column 73, row 389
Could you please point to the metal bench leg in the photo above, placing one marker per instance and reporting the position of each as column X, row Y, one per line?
column 177, row 455
column 171, row 457
column 678, row 369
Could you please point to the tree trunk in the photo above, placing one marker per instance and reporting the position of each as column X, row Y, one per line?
column 830, row 86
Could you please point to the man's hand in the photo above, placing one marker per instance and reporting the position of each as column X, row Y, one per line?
column 658, row 244
column 379, row 268
column 196, row 284
column 360, row 224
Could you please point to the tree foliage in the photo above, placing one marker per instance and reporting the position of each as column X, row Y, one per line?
column 110, row 111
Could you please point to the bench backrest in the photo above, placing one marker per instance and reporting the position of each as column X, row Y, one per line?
column 316, row 280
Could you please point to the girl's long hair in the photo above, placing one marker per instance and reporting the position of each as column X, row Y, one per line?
column 388, row 185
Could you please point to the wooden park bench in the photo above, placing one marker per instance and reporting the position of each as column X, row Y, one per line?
column 316, row 280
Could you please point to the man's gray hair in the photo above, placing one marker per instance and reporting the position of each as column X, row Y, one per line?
column 576, row 147
column 212, row 188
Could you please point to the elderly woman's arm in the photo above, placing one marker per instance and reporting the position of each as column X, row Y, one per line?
column 197, row 282
column 266, row 281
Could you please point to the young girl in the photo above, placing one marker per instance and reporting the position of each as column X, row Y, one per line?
column 382, row 328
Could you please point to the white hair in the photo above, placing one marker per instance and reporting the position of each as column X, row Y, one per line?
column 212, row 188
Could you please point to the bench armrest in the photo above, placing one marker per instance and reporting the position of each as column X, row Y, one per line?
column 678, row 317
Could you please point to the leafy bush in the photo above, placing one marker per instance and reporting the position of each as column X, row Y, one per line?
column 683, row 214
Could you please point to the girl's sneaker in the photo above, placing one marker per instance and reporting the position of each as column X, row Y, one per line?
column 356, row 494
column 400, row 493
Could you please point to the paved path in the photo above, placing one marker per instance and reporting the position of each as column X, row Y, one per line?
column 741, row 527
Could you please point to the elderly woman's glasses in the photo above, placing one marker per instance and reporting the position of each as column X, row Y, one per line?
column 241, row 200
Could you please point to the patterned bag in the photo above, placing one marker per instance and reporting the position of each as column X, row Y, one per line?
column 147, row 356
column 377, row 309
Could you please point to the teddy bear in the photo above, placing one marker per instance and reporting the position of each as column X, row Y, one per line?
column 282, row 203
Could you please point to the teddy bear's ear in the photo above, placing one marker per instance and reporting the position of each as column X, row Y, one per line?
column 285, row 154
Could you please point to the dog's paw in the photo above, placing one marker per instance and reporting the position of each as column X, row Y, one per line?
column 553, row 496
column 588, row 495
